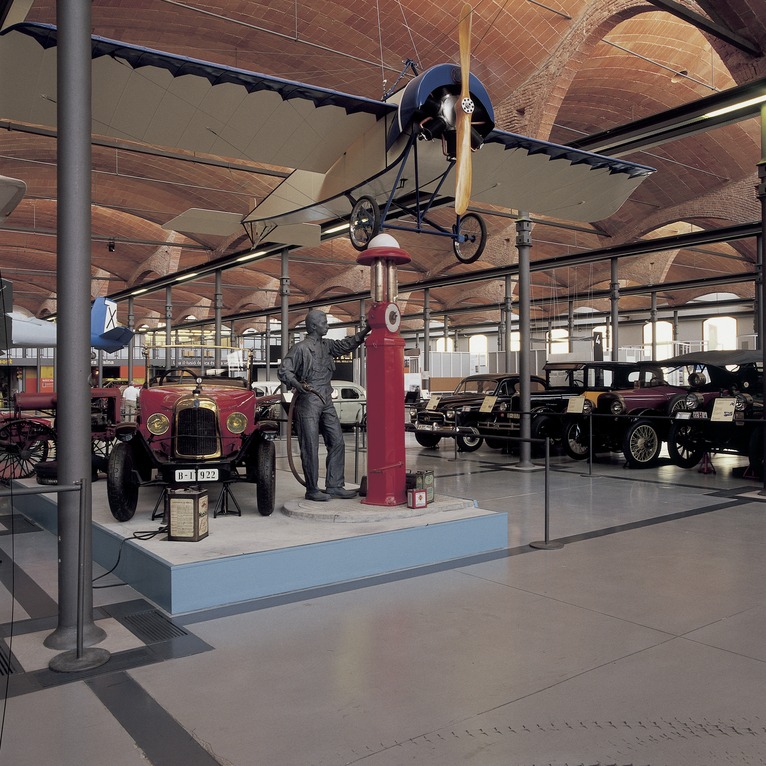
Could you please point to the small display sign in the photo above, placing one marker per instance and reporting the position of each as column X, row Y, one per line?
column 487, row 404
column 723, row 409
column 576, row 405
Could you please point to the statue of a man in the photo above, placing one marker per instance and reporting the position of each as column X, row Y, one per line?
column 308, row 368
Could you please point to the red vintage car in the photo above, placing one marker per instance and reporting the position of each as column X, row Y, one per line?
column 195, row 426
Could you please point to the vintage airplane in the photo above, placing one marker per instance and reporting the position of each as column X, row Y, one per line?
column 20, row 331
column 379, row 164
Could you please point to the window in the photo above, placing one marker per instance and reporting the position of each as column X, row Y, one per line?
column 720, row 333
column 442, row 346
column 558, row 341
column 664, row 339
column 477, row 348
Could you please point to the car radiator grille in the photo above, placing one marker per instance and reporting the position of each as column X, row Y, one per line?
column 196, row 432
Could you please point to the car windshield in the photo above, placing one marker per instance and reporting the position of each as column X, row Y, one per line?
column 180, row 363
column 484, row 386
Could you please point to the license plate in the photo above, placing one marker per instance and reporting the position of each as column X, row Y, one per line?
column 201, row 474
column 424, row 427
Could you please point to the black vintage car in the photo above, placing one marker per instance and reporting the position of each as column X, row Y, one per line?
column 437, row 418
column 636, row 421
column 549, row 402
column 730, row 423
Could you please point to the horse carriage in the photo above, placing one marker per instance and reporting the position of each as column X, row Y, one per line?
column 28, row 434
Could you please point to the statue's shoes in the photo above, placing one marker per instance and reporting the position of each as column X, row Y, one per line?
column 317, row 496
column 341, row 492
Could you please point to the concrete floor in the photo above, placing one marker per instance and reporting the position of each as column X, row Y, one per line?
column 639, row 642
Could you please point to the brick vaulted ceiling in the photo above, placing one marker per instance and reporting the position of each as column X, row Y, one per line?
column 555, row 69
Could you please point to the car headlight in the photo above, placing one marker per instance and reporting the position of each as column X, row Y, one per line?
column 617, row 407
column 587, row 407
column 450, row 414
column 693, row 400
column 236, row 422
column 503, row 406
column 742, row 402
column 157, row 424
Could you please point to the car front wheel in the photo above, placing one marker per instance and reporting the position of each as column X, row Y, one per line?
column 426, row 440
column 642, row 445
column 469, row 443
column 576, row 441
column 685, row 446
column 121, row 483
column 265, row 476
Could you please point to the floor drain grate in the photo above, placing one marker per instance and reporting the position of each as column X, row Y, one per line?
column 152, row 626
column 7, row 665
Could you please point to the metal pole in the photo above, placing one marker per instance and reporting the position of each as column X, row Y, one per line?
column 653, row 316
column 217, row 308
column 523, row 246
column 426, row 372
column 131, row 345
column 547, row 544
column 361, row 352
column 169, row 353
column 73, row 288
column 81, row 658
column 284, row 295
column 614, row 306
column 508, row 321
column 762, row 291
column 758, row 302
column 267, row 350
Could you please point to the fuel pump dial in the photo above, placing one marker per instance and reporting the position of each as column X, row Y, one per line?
column 393, row 317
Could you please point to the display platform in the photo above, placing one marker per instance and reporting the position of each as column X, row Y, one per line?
column 301, row 545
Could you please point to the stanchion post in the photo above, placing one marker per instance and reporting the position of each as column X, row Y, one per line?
column 547, row 544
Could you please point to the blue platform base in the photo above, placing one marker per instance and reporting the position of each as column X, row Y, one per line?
column 248, row 557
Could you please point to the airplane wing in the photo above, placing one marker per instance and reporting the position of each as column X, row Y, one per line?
column 334, row 142
column 173, row 101
column 12, row 191
column 549, row 179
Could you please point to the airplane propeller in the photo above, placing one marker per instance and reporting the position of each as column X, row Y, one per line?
column 463, row 169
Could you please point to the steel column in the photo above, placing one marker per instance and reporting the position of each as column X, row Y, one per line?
column 523, row 246
column 73, row 287
column 614, row 306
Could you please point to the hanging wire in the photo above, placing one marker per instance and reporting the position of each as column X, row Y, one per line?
column 380, row 45
column 4, row 310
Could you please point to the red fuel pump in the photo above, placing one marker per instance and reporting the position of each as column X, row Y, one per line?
column 386, row 461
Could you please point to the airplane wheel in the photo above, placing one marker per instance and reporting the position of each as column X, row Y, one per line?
column 470, row 236
column 364, row 223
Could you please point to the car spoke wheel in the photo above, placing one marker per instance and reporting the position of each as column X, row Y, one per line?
column 265, row 476
column 24, row 444
column 426, row 440
column 576, row 441
column 470, row 237
column 642, row 445
column 685, row 444
column 469, row 443
column 364, row 222
column 545, row 426
column 121, row 482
